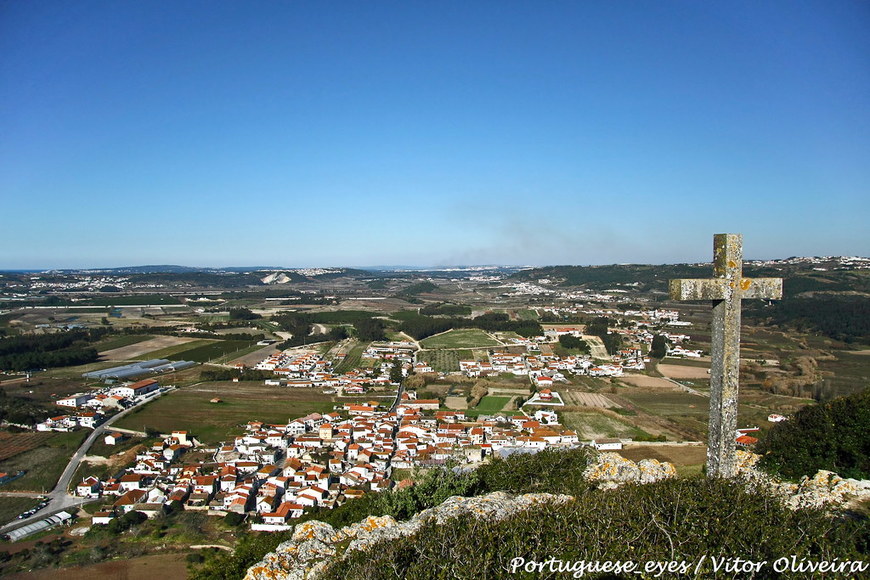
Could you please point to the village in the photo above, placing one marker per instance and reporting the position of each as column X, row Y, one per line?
column 272, row 473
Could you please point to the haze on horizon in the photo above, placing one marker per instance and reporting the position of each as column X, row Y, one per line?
column 221, row 133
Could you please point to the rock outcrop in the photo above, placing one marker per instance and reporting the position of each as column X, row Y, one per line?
column 315, row 544
column 610, row 470
column 824, row 489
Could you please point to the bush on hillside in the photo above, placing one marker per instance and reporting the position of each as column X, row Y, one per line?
column 671, row 520
column 834, row 436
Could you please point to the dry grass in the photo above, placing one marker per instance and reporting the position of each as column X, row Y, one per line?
column 683, row 371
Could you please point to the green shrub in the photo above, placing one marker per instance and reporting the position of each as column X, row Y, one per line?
column 671, row 520
column 832, row 436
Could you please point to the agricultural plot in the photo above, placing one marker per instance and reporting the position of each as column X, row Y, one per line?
column 594, row 425
column 460, row 338
column 171, row 352
column 587, row 400
column 43, row 464
column 146, row 345
column 114, row 342
column 190, row 409
column 11, row 444
column 489, row 405
column 10, row 507
column 352, row 359
column 444, row 361
column 203, row 350
column 134, row 300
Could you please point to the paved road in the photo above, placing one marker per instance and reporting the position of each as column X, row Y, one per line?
column 59, row 498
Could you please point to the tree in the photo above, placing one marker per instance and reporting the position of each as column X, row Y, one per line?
column 242, row 314
column 659, row 346
column 570, row 341
column 396, row 371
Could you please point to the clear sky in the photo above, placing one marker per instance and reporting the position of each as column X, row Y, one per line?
column 430, row 133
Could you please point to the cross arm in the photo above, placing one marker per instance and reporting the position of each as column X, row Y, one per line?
column 698, row 289
column 717, row 288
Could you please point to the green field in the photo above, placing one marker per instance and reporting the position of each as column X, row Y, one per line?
column 353, row 358
column 131, row 300
column 170, row 352
column 114, row 342
column 445, row 361
column 593, row 425
column 488, row 406
column 44, row 464
column 460, row 338
column 189, row 409
column 527, row 314
column 204, row 350
column 10, row 507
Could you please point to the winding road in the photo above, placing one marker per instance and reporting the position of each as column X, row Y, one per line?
column 59, row 498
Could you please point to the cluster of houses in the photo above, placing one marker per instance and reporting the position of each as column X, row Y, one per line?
column 546, row 369
column 89, row 409
column 274, row 472
column 309, row 369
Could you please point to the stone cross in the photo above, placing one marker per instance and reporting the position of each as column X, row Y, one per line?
column 726, row 290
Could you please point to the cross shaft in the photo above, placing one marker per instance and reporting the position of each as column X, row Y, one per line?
column 725, row 290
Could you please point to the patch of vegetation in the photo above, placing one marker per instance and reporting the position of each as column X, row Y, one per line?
column 445, row 309
column 21, row 410
column 214, row 350
column 833, row 436
column 243, row 314
column 671, row 520
column 413, row 290
column 845, row 318
column 489, row 405
column 27, row 352
column 464, row 338
column 43, row 465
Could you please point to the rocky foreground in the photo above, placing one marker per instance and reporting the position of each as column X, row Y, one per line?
column 315, row 545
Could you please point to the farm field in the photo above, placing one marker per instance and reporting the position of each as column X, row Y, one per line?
column 189, row 409
column 489, row 405
column 593, row 425
column 171, row 352
column 11, row 444
column 571, row 397
column 202, row 350
column 444, row 361
column 681, row 371
column 113, row 342
column 140, row 568
column 646, row 381
column 460, row 338
column 352, row 359
column 10, row 507
column 688, row 459
column 136, row 349
column 134, row 300
column 43, row 464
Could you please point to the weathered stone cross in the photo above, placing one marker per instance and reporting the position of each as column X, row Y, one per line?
column 726, row 290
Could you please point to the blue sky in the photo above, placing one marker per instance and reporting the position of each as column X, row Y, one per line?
column 430, row 133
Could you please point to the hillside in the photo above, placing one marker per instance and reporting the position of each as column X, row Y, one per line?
column 566, row 509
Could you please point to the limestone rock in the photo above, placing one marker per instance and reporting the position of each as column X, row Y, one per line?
column 824, row 489
column 314, row 545
column 611, row 470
